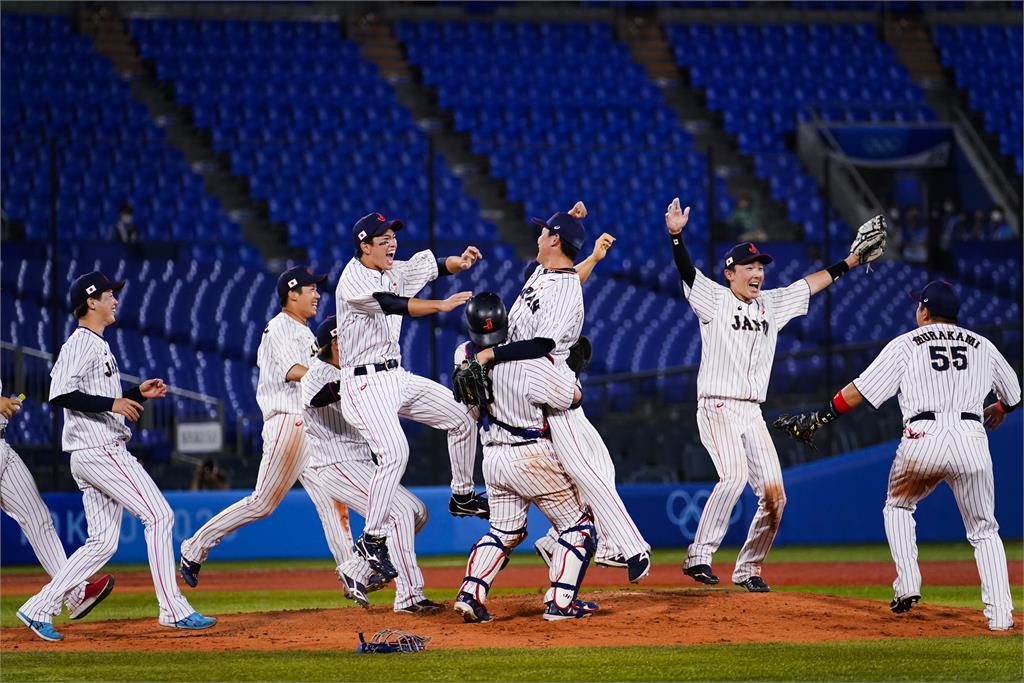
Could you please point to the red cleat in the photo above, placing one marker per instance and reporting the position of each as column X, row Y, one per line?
column 95, row 591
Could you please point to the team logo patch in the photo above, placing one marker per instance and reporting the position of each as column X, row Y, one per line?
column 488, row 325
column 362, row 234
column 293, row 282
column 753, row 249
column 728, row 261
column 380, row 217
column 334, row 332
column 91, row 289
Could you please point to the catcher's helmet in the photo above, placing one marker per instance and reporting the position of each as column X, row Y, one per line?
column 487, row 319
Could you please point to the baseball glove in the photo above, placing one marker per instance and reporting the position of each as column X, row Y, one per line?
column 580, row 354
column 471, row 385
column 801, row 427
column 869, row 242
column 388, row 641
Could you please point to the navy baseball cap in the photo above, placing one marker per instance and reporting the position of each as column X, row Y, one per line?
column 939, row 297
column 92, row 285
column 327, row 331
column 566, row 226
column 745, row 253
column 298, row 276
column 371, row 225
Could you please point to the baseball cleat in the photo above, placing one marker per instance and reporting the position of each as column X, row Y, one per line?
column 469, row 505
column 754, row 584
column 95, row 591
column 543, row 554
column 702, row 574
column 904, row 604
column 471, row 609
column 994, row 627
column 573, row 611
column 374, row 550
column 355, row 591
column 617, row 561
column 190, row 572
column 638, row 567
column 194, row 622
column 587, row 606
column 376, row 582
column 41, row 628
column 421, row 607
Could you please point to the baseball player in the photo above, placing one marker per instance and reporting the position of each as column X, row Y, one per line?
column 342, row 463
column 374, row 293
column 283, row 355
column 547, row 318
column 942, row 373
column 739, row 327
column 85, row 382
column 520, row 468
column 20, row 498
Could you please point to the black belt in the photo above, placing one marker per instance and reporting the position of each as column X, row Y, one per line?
column 523, row 443
column 930, row 415
column 379, row 367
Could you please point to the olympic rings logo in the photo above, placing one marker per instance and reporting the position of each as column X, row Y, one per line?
column 683, row 508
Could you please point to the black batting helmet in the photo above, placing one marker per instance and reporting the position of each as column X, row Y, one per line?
column 487, row 319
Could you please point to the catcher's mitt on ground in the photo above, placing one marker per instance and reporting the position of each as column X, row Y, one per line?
column 471, row 385
column 869, row 242
column 388, row 641
column 580, row 354
column 801, row 427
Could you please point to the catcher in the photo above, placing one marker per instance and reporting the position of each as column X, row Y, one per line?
column 520, row 466
column 739, row 327
column 942, row 374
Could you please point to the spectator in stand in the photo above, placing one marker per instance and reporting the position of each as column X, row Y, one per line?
column 1000, row 227
column 978, row 228
column 124, row 230
column 746, row 220
column 914, row 237
column 208, row 476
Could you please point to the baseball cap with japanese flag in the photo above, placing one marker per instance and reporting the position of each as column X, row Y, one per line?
column 298, row 276
column 371, row 225
column 92, row 285
column 745, row 253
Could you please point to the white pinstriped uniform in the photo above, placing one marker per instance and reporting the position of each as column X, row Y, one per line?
column 342, row 464
column 947, row 370
column 372, row 403
column 551, row 306
column 111, row 479
column 737, row 351
column 19, row 497
column 286, row 342
column 517, row 476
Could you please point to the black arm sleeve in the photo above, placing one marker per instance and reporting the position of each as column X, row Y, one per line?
column 327, row 395
column 684, row 264
column 442, row 267
column 135, row 394
column 524, row 350
column 392, row 304
column 84, row 403
column 1008, row 408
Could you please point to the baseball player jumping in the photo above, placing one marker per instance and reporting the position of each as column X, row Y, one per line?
column 942, row 373
column 341, row 461
column 20, row 498
column 374, row 293
column 547, row 318
column 85, row 382
column 520, row 468
column 739, row 327
column 283, row 356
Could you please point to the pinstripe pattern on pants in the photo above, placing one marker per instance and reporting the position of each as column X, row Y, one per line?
column 348, row 483
column 284, row 458
column 373, row 403
column 19, row 497
column 955, row 451
column 111, row 479
column 737, row 439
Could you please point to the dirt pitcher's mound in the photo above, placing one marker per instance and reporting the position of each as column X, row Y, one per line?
column 626, row 617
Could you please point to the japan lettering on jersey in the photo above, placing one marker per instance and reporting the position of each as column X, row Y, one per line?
column 329, row 438
column 521, row 389
column 942, row 368
column 86, row 364
column 738, row 339
column 550, row 306
column 365, row 334
column 286, row 342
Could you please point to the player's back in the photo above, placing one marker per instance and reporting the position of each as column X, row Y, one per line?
column 946, row 369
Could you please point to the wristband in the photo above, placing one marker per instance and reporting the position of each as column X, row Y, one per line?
column 837, row 270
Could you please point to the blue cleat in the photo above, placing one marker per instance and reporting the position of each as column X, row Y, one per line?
column 587, row 606
column 573, row 611
column 195, row 622
column 41, row 628
column 471, row 609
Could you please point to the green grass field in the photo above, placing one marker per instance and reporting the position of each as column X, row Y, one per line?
column 926, row 659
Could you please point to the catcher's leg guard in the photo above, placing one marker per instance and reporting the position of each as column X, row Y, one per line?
column 576, row 547
column 488, row 557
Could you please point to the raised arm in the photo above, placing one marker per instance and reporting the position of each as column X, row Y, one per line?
column 675, row 220
column 823, row 278
column 451, row 265
column 601, row 246
column 868, row 245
